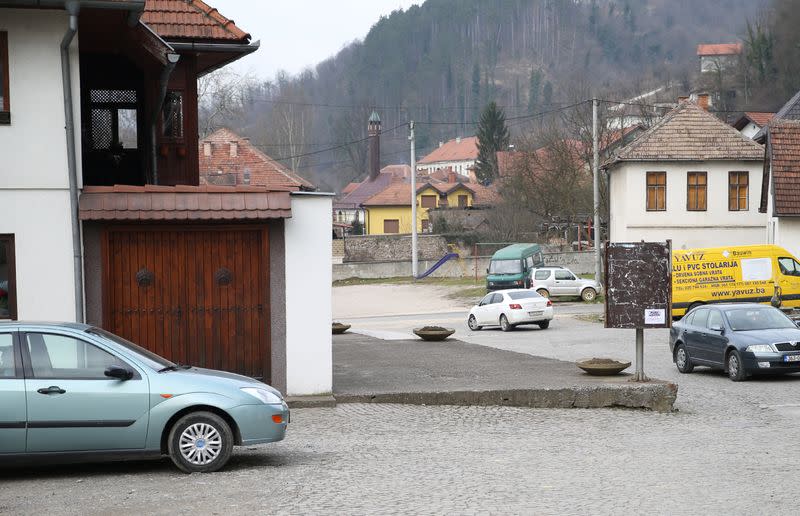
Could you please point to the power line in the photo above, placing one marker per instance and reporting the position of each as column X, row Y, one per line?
column 388, row 108
column 514, row 118
column 347, row 144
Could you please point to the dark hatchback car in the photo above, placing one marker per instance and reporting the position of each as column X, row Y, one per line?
column 742, row 339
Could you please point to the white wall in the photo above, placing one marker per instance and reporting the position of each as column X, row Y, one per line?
column 309, row 352
column 34, row 183
column 43, row 243
column 459, row 167
column 750, row 130
column 630, row 220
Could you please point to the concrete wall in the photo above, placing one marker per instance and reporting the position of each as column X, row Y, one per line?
column 630, row 221
column 577, row 262
column 309, row 352
column 379, row 248
column 34, row 184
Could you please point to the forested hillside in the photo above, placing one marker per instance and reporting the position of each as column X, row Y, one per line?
column 440, row 62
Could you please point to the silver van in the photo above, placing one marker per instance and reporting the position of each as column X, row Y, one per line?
column 558, row 281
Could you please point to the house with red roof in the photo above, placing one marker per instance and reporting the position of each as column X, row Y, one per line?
column 751, row 122
column 780, row 191
column 715, row 57
column 458, row 154
column 112, row 224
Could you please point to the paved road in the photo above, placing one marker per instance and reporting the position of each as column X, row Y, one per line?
column 729, row 449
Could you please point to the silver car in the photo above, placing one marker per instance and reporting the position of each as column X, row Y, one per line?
column 558, row 281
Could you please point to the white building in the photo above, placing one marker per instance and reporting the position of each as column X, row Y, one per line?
column 458, row 154
column 780, row 197
column 751, row 122
column 717, row 57
column 690, row 178
column 106, row 222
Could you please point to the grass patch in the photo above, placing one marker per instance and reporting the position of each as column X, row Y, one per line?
column 592, row 318
column 444, row 282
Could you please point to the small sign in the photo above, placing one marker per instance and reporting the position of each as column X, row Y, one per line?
column 655, row 316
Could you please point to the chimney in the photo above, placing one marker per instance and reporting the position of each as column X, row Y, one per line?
column 458, row 139
column 234, row 149
column 206, row 149
column 441, row 143
column 451, row 176
column 374, row 134
column 702, row 100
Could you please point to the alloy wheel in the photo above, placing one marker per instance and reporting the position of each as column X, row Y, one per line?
column 200, row 444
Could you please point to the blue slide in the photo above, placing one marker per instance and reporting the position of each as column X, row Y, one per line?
column 448, row 256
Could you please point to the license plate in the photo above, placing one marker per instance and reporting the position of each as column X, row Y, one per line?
column 791, row 358
column 540, row 312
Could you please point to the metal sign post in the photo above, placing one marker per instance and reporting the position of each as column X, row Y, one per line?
column 638, row 286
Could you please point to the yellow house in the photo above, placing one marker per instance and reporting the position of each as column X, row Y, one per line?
column 389, row 211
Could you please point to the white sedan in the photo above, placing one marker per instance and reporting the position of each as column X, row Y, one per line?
column 509, row 308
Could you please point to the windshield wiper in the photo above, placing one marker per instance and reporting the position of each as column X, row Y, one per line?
column 174, row 367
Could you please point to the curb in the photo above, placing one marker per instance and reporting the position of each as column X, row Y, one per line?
column 656, row 396
column 326, row 400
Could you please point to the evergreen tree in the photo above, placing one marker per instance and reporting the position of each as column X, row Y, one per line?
column 493, row 136
column 547, row 93
column 533, row 90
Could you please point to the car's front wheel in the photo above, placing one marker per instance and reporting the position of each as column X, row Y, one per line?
column 588, row 294
column 504, row 324
column 682, row 360
column 736, row 370
column 200, row 442
column 473, row 323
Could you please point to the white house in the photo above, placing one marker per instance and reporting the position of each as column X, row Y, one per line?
column 780, row 195
column 716, row 57
column 106, row 222
column 690, row 178
column 458, row 154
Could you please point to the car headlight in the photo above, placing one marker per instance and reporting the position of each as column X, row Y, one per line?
column 264, row 395
column 759, row 348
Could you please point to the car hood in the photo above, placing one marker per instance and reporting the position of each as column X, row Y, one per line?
column 767, row 336
column 198, row 379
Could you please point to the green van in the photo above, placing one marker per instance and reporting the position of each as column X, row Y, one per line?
column 511, row 266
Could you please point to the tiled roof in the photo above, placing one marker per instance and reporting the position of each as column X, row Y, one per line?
column 368, row 188
column 759, row 118
column 459, row 149
column 789, row 111
column 349, row 188
column 784, row 148
column 719, row 49
column 190, row 19
column 174, row 203
column 395, row 194
column 689, row 133
column 221, row 168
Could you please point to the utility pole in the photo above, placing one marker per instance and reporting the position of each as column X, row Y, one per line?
column 596, row 180
column 414, row 266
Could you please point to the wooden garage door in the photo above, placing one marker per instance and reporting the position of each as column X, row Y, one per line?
column 193, row 295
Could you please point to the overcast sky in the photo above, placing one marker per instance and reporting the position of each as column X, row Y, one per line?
column 296, row 34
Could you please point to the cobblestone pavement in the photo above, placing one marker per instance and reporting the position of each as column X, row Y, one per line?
column 729, row 449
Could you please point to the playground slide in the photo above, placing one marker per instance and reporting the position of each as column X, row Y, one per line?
column 448, row 256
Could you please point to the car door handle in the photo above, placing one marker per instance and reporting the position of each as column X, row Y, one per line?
column 53, row 389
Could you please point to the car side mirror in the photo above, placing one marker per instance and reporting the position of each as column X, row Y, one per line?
column 120, row 373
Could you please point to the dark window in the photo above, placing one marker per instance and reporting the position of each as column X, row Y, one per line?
column 696, row 185
column 5, row 98
column 656, row 191
column 530, row 294
column 789, row 266
column 738, row 187
column 8, row 281
column 463, row 201
column 428, row 201
column 497, row 298
column 172, row 115
column 542, row 275
column 60, row 356
column 391, row 226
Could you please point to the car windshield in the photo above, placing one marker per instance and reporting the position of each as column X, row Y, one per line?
column 145, row 355
column 523, row 295
column 744, row 319
column 505, row 267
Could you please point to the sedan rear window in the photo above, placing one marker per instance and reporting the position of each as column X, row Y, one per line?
column 744, row 319
column 523, row 295
column 505, row 267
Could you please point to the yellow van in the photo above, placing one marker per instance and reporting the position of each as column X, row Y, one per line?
column 748, row 273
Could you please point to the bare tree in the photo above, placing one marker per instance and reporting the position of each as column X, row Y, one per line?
column 222, row 98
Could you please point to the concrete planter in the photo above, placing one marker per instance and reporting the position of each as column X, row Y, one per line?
column 602, row 366
column 433, row 333
column 338, row 328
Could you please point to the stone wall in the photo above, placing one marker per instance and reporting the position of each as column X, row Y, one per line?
column 384, row 248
